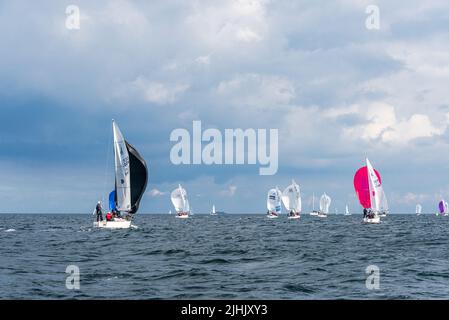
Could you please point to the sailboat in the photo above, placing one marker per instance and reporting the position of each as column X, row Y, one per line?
column 131, row 175
column 441, row 207
column 213, row 212
column 291, row 197
column 383, row 205
column 446, row 209
column 347, row 213
column 169, row 212
column 180, row 202
column 418, row 209
column 274, row 203
column 368, row 187
column 325, row 202
column 314, row 212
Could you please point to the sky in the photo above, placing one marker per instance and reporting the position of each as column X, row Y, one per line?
column 336, row 90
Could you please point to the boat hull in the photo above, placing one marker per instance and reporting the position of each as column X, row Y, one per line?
column 272, row 216
column 185, row 216
column 320, row 215
column 314, row 213
column 116, row 224
column 294, row 217
column 371, row 220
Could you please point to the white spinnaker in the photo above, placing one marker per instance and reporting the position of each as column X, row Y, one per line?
column 274, row 200
column 325, row 203
column 291, row 197
column 122, row 175
column 375, row 188
column 418, row 208
column 179, row 199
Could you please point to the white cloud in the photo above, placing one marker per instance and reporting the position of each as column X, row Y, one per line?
column 156, row 193
column 230, row 192
column 159, row 93
column 257, row 90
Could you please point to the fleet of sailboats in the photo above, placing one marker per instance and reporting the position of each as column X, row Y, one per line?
column 131, row 175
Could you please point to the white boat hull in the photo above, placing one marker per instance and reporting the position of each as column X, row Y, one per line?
column 272, row 216
column 371, row 220
column 116, row 224
column 314, row 213
column 294, row 217
column 321, row 215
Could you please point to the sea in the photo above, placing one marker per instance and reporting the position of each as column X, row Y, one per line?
column 230, row 256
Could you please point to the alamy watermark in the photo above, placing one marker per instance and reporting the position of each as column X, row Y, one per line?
column 238, row 146
column 372, row 22
column 373, row 280
column 72, row 282
column 72, row 21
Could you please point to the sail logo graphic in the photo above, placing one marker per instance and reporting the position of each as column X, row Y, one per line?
column 238, row 147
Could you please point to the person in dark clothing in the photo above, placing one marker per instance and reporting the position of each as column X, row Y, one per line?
column 99, row 211
column 364, row 212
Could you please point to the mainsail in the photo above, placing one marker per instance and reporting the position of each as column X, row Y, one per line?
column 325, row 202
column 131, row 174
column 291, row 197
column 274, row 200
column 347, row 210
column 179, row 199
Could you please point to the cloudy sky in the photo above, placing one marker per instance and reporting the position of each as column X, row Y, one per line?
column 336, row 90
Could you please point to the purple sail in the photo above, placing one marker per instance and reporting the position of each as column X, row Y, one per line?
column 441, row 206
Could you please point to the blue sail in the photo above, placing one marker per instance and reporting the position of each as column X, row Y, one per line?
column 112, row 204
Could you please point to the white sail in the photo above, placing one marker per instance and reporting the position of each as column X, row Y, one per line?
column 383, row 202
column 122, row 176
column 213, row 209
column 291, row 197
column 325, row 202
column 418, row 209
column 446, row 208
column 347, row 210
column 179, row 199
column 274, row 200
column 375, row 188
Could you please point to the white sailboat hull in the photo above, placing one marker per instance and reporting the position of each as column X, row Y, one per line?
column 322, row 215
column 116, row 224
column 314, row 213
column 371, row 220
column 294, row 217
column 272, row 216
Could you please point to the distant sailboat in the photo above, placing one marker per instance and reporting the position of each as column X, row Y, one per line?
column 314, row 212
column 368, row 187
column 441, row 207
column 383, row 205
column 180, row 202
column 291, row 197
column 418, row 209
column 169, row 212
column 347, row 213
column 274, row 203
column 213, row 212
column 131, row 175
column 446, row 209
column 325, row 202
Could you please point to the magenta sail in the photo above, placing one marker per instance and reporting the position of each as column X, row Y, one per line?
column 361, row 186
column 441, row 206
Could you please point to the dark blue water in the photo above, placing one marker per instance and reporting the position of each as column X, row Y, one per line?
column 230, row 256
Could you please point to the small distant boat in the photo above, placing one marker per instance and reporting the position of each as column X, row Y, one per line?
column 314, row 212
column 274, row 203
column 169, row 212
column 441, row 207
column 383, row 211
column 180, row 202
column 446, row 209
column 213, row 212
column 347, row 213
column 291, row 198
column 325, row 202
column 131, row 175
column 368, row 187
column 418, row 209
